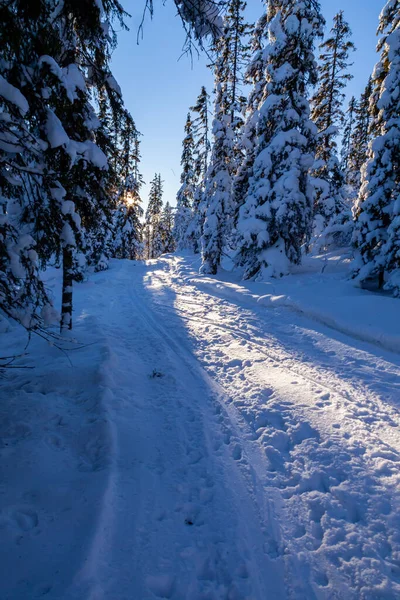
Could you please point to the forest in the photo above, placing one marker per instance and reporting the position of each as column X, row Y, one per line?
column 199, row 394
column 267, row 176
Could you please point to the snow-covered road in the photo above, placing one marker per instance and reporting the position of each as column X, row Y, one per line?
column 255, row 453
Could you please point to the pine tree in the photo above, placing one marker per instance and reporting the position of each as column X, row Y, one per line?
column 377, row 232
column 255, row 77
column 276, row 218
column 360, row 138
column 167, row 229
column 128, row 229
column 231, row 54
column 22, row 294
column 236, row 51
column 218, row 184
column 154, row 243
column 202, row 145
column 328, row 115
column 348, row 130
column 65, row 49
column 202, row 149
column 185, row 196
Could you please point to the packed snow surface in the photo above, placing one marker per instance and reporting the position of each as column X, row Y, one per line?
column 212, row 440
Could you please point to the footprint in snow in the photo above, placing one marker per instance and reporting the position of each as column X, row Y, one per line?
column 235, row 362
column 24, row 519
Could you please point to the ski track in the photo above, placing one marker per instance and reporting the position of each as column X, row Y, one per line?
column 317, row 418
column 257, row 452
column 177, row 527
column 229, row 451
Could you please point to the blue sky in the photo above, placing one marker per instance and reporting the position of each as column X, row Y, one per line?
column 159, row 86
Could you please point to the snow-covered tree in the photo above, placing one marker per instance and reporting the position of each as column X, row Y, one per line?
column 276, row 219
column 360, row 138
column 236, row 51
column 202, row 149
column 184, row 199
column 167, row 229
column 201, row 133
column 377, row 232
column 217, row 202
column 231, row 52
column 128, row 228
column 328, row 115
column 153, row 236
column 56, row 56
column 254, row 76
column 348, row 128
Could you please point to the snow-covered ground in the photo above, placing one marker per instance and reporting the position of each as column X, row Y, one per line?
column 212, row 440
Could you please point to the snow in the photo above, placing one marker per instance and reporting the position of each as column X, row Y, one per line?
column 55, row 132
column 114, row 85
column 206, row 438
column 70, row 76
column 88, row 151
column 13, row 95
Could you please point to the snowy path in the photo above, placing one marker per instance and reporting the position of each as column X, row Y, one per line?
column 254, row 453
column 182, row 521
column 263, row 463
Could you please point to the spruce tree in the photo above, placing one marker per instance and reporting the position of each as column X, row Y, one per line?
column 237, row 52
column 360, row 138
column 154, row 242
column 254, row 76
column 348, row 128
column 201, row 134
column 217, row 202
column 231, row 54
column 167, row 229
column 65, row 49
column 202, row 149
column 184, row 200
column 377, row 230
column 22, row 180
column 328, row 115
column 128, row 229
column 276, row 218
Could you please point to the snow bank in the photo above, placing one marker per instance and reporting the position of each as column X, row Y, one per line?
column 321, row 290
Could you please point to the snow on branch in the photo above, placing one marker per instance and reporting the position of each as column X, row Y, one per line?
column 200, row 18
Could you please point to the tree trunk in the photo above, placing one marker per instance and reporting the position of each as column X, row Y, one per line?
column 66, row 305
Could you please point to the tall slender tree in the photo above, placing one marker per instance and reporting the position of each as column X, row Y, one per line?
column 154, row 243
column 361, row 136
column 202, row 149
column 254, row 76
column 185, row 196
column 348, row 130
column 128, row 228
column 218, row 184
column 328, row 115
column 237, row 53
column 201, row 133
column 167, row 229
column 231, row 51
column 377, row 231
column 276, row 218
